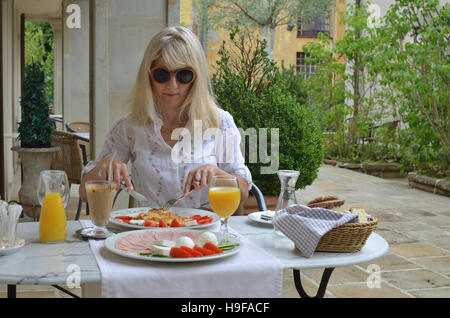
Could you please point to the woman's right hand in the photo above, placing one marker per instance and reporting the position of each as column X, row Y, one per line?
column 100, row 172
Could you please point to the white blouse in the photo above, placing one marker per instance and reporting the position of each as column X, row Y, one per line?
column 159, row 172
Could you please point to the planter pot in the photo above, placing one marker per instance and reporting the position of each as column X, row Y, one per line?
column 33, row 160
column 383, row 170
column 329, row 161
column 434, row 185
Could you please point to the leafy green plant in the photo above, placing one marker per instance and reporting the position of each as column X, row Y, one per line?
column 343, row 91
column 35, row 129
column 39, row 46
column 250, row 86
column 416, row 70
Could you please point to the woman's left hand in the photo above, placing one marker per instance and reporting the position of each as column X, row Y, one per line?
column 201, row 177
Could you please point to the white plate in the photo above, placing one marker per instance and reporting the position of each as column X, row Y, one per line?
column 12, row 249
column 256, row 216
column 187, row 212
column 110, row 244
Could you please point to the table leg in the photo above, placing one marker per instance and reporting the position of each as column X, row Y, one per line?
column 11, row 291
column 322, row 287
column 66, row 291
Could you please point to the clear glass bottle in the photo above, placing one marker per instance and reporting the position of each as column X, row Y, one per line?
column 288, row 179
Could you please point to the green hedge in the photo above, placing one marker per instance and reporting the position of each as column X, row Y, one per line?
column 266, row 102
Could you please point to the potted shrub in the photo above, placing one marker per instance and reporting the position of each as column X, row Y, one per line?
column 257, row 94
column 35, row 135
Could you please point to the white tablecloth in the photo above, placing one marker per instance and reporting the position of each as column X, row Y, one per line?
column 252, row 272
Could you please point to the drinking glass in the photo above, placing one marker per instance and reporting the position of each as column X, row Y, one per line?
column 100, row 194
column 224, row 197
column 53, row 195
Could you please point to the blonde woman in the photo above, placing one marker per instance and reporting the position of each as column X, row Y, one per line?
column 175, row 135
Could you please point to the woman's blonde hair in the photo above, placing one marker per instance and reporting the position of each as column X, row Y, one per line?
column 179, row 48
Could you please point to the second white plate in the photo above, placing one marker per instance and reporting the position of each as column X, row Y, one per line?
column 187, row 212
column 256, row 216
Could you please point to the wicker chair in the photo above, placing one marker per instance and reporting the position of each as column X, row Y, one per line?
column 69, row 159
column 81, row 127
column 77, row 126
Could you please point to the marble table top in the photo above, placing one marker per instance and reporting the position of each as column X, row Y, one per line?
column 39, row 263
column 48, row 264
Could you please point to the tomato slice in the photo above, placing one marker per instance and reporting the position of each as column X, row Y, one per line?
column 175, row 223
column 150, row 223
column 162, row 223
column 179, row 252
column 196, row 217
column 204, row 251
column 124, row 217
column 212, row 247
column 205, row 220
column 191, row 251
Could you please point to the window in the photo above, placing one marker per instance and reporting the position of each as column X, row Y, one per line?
column 302, row 67
column 312, row 28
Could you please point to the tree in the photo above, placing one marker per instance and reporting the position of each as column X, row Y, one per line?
column 39, row 47
column 266, row 15
column 416, row 46
column 344, row 87
column 35, row 129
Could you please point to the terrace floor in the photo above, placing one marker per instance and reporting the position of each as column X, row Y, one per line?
column 415, row 223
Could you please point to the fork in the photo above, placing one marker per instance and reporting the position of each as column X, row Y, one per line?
column 170, row 203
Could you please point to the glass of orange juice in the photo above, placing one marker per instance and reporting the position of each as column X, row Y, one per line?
column 224, row 198
column 53, row 194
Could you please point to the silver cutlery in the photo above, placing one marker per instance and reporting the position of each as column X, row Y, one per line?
column 143, row 201
column 170, row 203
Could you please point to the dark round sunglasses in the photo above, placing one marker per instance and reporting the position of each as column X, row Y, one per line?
column 161, row 75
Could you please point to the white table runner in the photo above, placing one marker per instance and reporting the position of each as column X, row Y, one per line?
column 252, row 272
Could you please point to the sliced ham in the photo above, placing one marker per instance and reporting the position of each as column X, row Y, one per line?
column 137, row 243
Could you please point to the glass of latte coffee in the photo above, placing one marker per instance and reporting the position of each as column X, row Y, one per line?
column 100, row 194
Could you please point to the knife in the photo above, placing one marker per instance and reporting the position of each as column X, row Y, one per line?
column 139, row 197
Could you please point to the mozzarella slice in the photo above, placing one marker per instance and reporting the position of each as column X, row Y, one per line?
column 190, row 223
column 161, row 250
column 137, row 222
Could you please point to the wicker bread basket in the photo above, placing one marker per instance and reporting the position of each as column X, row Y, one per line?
column 348, row 238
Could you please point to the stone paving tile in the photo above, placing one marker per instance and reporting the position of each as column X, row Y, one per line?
column 37, row 294
column 408, row 226
column 414, row 250
column 440, row 221
column 360, row 290
column 436, row 264
column 415, row 279
column 431, row 293
column 393, row 237
column 390, row 262
column 436, row 237
column 38, row 291
column 340, row 275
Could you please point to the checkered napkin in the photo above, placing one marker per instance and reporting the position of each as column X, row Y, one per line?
column 305, row 226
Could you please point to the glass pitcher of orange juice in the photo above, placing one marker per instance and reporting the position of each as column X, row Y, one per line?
column 53, row 194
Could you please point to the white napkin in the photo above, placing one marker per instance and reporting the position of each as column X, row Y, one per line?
column 305, row 226
column 252, row 272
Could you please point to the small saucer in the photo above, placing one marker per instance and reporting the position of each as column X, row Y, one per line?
column 87, row 232
column 10, row 250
